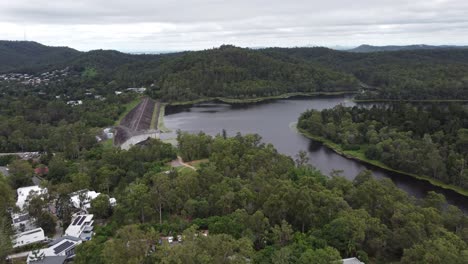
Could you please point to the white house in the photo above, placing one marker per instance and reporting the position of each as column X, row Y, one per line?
column 137, row 90
column 63, row 247
column 28, row 237
column 25, row 193
column 82, row 199
column 81, row 227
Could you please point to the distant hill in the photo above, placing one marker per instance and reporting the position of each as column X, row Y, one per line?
column 29, row 55
column 408, row 72
column 369, row 48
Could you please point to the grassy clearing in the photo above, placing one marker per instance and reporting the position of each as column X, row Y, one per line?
column 108, row 143
column 259, row 99
column 197, row 163
column 128, row 107
column 172, row 141
column 360, row 156
column 161, row 125
column 154, row 117
column 182, row 170
column 89, row 72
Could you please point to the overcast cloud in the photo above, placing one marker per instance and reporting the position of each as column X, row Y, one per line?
column 164, row 25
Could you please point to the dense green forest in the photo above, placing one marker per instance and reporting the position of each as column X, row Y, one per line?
column 257, row 205
column 397, row 75
column 429, row 140
column 29, row 123
column 228, row 71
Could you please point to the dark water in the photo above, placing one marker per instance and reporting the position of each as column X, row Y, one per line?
column 272, row 120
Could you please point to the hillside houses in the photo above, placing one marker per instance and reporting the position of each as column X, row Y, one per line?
column 37, row 79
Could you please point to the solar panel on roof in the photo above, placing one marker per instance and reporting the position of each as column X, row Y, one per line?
column 76, row 220
column 62, row 247
column 81, row 221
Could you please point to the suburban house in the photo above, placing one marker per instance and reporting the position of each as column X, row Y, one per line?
column 82, row 199
column 24, row 194
column 81, row 227
column 58, row 251
column 28, row 237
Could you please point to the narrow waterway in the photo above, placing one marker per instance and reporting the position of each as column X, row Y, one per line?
column 273, row 121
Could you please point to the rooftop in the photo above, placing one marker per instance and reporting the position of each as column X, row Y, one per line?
column 87, row 197
column 352, row 261
column 25, row 192
column 28, row 237
column 65, row 247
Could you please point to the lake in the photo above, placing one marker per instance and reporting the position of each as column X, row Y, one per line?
column 273, row 120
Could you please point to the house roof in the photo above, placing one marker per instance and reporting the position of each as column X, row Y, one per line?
column 88, row 197
column 18, row 218
column 352, row 261
column 24, row 192
column 58, row 240
column 28, row 237
column 58, row 249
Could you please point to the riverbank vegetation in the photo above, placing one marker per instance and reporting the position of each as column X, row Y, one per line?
column 431, row 141
column 255, row 205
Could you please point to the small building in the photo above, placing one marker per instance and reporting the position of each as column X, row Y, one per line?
column 25, row 194
column 81, row 227
column 63, row 247
column 41, row 171
column 29, row 237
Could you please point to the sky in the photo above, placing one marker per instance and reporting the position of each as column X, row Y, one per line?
column 165, row 25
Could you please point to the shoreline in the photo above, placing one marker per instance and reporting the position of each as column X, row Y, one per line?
column 410, row 101
column 258, row 99
column 161, row 125
column 352, row 155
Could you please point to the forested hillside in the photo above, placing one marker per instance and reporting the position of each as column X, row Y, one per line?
column 228, row 71
column 400, row 75
column 430, row 141
column 32, row 56
column 370, row 48
column 242, row 73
